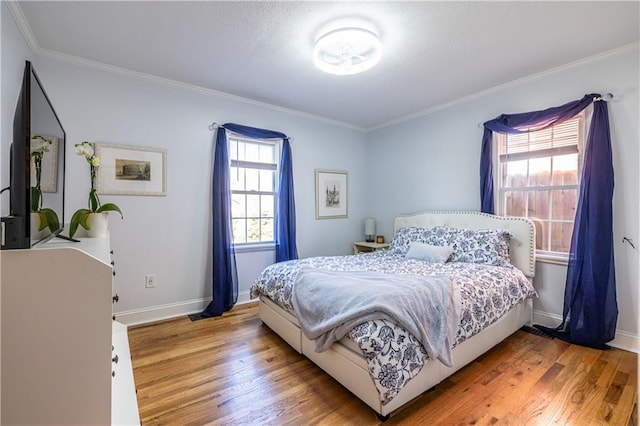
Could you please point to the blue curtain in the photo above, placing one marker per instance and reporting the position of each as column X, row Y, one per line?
column 590, row 309
column 519, row 123
column 285, row 232
column 225, row 277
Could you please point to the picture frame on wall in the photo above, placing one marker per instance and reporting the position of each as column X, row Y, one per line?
column 332, row 194
column 131, row 170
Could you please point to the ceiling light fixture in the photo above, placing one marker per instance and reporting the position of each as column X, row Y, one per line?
column 347, row 51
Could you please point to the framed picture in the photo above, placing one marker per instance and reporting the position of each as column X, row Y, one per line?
column 131, row 170
column 49, row 171
column 332, row 194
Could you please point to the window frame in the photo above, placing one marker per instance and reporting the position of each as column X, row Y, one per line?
column 547, row 256
column 232, row 138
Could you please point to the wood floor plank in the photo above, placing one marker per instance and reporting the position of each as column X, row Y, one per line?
column 235, row 370
column 523, row 377
column 495, row 386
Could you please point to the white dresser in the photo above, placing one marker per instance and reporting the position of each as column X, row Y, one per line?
column 64, row 359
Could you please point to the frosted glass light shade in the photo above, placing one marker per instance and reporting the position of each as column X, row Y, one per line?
column 347, row 51
column 369, row 229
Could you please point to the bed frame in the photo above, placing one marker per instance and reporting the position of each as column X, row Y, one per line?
column 350, row 368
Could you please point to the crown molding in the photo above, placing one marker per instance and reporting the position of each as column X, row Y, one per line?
column 509, row 85
column 100, row 66
column 31, row 40
column 38, row 51
column 23, row 24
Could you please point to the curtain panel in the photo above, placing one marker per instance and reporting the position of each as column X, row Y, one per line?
column 224, row 275
column 285, row 226
column 590, row 308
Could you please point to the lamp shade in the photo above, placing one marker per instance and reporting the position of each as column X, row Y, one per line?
column 370, row 227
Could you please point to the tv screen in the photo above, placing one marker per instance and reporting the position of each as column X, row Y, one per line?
column 36, row 168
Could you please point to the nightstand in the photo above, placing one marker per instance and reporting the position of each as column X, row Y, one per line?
column 365, row 247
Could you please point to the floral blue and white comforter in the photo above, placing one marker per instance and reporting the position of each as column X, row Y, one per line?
column 394, row 356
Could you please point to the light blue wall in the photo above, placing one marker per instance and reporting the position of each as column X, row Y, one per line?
column 426, row 163
column 431, row 162
column 170, row 236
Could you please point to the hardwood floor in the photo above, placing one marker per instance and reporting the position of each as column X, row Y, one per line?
column 235, row 370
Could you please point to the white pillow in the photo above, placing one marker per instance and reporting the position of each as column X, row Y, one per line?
column 429, row 253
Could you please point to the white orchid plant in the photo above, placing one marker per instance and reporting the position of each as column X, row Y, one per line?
column 48, row 217
column 79, row 218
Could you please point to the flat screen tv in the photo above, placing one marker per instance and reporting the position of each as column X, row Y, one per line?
column 36, row 168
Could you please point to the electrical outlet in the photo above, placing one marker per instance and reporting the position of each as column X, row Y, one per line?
column 150, row 280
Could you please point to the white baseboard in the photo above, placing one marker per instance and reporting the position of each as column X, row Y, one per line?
column 623, row 340
column 172, row 310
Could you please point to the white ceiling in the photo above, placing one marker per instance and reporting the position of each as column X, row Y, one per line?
column 434, row 52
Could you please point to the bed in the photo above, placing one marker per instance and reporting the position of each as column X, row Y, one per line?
column 358, row 360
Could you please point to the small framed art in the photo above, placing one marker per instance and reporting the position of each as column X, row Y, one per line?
column 332, row 194
column 131, row 170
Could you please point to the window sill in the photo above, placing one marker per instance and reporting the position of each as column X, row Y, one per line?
column 557, row 259
column 247, row 248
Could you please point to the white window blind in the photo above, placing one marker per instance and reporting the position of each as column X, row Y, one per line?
column 538, row 178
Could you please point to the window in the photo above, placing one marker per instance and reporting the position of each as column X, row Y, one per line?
column 254, row 167
column 538, row 178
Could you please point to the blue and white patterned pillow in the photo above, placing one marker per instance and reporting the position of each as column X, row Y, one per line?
column 488, row 246
column 405, row 236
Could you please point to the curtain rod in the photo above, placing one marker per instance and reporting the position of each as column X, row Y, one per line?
column 606, row 97
column 215, row 125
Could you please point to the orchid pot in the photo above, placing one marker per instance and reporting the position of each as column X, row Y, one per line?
column 94, row 219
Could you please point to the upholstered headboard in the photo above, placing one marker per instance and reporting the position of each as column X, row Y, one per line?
column 522, row 248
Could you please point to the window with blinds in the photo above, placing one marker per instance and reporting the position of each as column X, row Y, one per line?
column 539, row 178
column 254, row 167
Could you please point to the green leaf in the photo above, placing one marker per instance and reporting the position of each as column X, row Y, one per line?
column 43, row 220
column 84, row 220
column 36, row 198
column 110, row 207
column 94, row 202
column 50, row 220
column 78, row 218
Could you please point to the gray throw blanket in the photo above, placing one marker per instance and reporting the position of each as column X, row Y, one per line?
column 329, row 304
